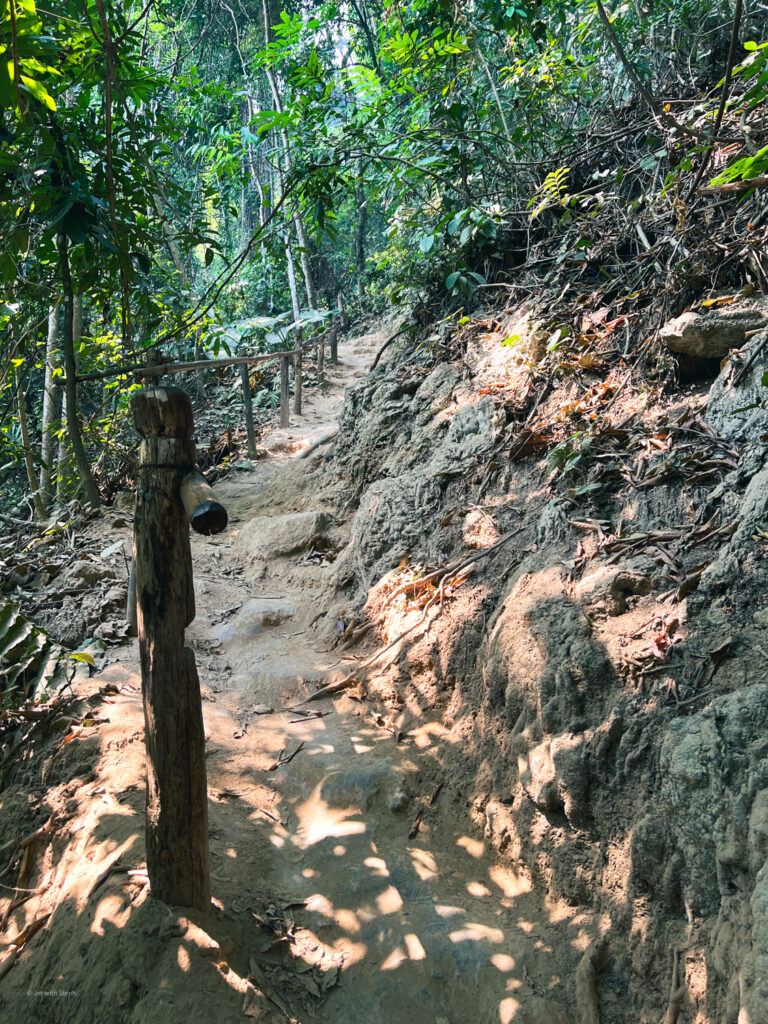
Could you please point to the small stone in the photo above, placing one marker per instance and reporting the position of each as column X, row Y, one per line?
column 479, row 530
column 263, row 709
column 399, row 801
column 254, row 616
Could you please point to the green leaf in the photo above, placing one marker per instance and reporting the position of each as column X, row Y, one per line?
column 85, row 657
column 38, row 90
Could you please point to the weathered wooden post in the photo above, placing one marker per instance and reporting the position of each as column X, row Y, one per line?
column 285, row 403
column 177, row 799
column 131, row 613
column 334, row 343
column 321, row 356
column 248, row 402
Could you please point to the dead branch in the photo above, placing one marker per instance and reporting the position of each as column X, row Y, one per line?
column 735, row 186
column 341, row 684
column 318, row 444
column 448, row 570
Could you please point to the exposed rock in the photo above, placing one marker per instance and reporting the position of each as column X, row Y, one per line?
column 254, row 616
column 389, row 524
column 752, row 513
column 399, row 801
column 713, row 766
column 360, row 785
column 89, row 572
column 436, row 390
column 472, row 430
column 712, row 333
column 553, row 524
column 274, row 536
column 737, row 412
column 715, row 790
column 605, row 589
column 576, row 676
column 555, row 776
column 479, row 530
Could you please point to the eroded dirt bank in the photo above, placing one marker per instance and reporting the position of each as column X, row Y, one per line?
column 538, row 793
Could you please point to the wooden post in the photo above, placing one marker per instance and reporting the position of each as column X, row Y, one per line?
column 247, row 400
column 321, row 357
column 177, row 807
column 334, row 343
column 285, row 398
column 131, row 613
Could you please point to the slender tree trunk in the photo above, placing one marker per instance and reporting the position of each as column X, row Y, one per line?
column 496, row 97
column 343, row 318
column 70, row 369
column 362, row 224
column 28, row 460
column 66, row 483
column 301, row 235
column 297, row 359
column 306, row 266
column 51, row 404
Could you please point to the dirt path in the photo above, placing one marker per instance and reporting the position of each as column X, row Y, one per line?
column 340, row 904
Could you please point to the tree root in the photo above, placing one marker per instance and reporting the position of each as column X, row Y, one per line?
column 387, row 343
column 676, row 992
column 448, row 570
column 585, row 983
column 439, row 575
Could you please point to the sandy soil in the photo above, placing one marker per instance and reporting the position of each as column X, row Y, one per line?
column 348, row 886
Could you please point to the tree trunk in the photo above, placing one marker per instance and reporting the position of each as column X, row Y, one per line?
column 362, row 223
column 343, row 318
column 306, row 266
column 70, row 369
column 51, row 404
column 297, row 359
column 301, row 235
column 28, row 460
column 66, row 484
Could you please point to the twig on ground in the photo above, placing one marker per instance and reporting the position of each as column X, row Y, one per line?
column 281, row 760
column 416, row 824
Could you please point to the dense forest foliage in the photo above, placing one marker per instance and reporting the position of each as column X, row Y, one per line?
column 214, row 177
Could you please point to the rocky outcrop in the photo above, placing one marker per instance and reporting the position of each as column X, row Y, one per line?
column 276, row 536
column 711, row 332
column 714, row 769
column 736, row 411
column 254, row 616
column 641, row 794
